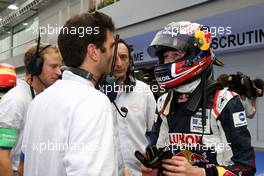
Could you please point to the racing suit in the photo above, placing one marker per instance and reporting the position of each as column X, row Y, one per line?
column 222, row 147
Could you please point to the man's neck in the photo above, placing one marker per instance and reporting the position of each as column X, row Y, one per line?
column 95, row 76
column 35, row 83
column 94, row 80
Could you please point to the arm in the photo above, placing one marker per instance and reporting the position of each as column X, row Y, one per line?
column 7, row 141
column 5, row 163
column 20, row 168
column 148, row 171
column 159, row 129
column 10, row 120
column 179, row 165
column 234, row 125
column 254, row 108
column 150, row 116
column 154, row 134
column 249, row 106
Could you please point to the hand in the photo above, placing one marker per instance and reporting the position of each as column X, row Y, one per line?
column 179, row 166
column 148, row 171
column 126, row 172
column 153, row 156
column 5, row 163
column 20, row 168
column 258, row 91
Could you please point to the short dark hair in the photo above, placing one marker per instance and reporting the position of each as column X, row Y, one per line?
column 73, row 47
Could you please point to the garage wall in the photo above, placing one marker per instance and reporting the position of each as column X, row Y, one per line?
column 56, row 15
column 51, row 18
column 210, row 8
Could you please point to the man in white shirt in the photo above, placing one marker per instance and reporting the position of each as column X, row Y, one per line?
column 136, row 96
column 14, row 104
column 69, row 128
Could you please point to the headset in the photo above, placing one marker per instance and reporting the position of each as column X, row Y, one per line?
column 80, row 72
column 105, row 80
column 111, row 80
column 89, row 76
column 35, row 63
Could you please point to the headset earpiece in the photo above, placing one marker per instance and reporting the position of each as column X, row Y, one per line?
column 35, row 63
column 34, row 66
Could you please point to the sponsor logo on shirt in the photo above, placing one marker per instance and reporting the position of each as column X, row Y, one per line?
column 179, row 138
column 239, row 119
column 193, row 157
column 222, row 100
column 196, row 123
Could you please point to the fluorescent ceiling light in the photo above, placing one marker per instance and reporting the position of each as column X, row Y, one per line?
column 13, row 7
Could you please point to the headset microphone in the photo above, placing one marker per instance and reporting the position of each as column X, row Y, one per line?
column 123, row 109
column 115, row 55
column 109, row 81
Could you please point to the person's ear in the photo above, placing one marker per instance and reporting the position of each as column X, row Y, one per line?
column 92, row 52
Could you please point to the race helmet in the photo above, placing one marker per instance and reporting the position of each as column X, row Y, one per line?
column 192, row 38
column 7, row 77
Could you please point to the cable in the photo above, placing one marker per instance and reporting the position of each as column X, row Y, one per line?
column 123, row 109
column 32, row 92
column 45, row 86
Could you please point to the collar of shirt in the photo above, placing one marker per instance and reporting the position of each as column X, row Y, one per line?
column 23, row 83
column 68, row 75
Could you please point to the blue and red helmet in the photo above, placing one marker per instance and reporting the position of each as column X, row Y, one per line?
column 192, row 38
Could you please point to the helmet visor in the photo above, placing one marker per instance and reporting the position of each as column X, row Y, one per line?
column 170, row 40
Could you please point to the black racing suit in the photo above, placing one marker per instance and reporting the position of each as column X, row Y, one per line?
column 222, row 147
